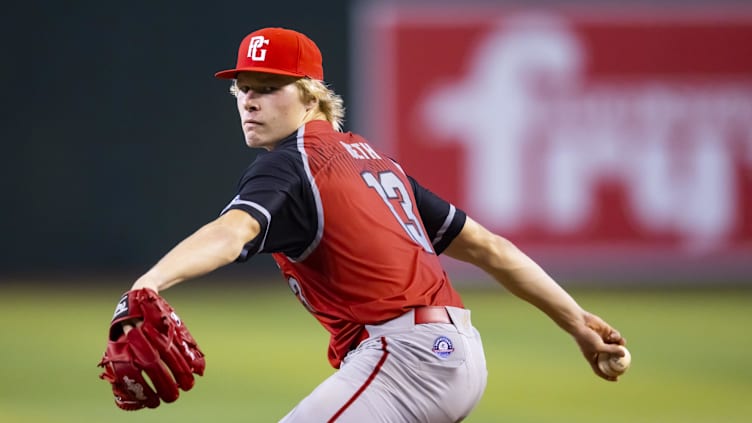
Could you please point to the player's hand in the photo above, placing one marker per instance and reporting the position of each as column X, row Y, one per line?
column 148, row 340
column 596, row 336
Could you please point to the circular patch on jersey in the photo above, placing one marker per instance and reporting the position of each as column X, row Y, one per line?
column 443, row 347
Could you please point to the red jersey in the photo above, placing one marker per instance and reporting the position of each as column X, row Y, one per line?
column 345, row 225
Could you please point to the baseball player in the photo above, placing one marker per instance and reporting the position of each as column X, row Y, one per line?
column 357, row 240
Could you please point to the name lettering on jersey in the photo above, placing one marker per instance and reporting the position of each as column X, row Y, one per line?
column 360, row 150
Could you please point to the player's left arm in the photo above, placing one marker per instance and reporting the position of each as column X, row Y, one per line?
column 441, row 220
column 524, row 278
column 214, row 245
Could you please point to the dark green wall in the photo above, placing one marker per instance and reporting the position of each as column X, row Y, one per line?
column 116, row 139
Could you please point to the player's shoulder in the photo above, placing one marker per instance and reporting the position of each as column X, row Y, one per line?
column 321, row 133
column 286, row 149
column 283, row 161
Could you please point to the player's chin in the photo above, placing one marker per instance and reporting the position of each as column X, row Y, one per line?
column 253, row 141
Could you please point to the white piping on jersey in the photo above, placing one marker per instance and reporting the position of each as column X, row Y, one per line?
column 447, row 221
column 398, row 167
column 316, row 199
column 445, row 225
column 258, row 207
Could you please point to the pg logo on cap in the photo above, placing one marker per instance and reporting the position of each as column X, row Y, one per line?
column 255, row 48
column 277, row 51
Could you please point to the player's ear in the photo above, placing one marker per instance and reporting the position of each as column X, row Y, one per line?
column 311, row 103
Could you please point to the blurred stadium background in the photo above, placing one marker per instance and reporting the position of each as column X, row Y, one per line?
column 611, row 140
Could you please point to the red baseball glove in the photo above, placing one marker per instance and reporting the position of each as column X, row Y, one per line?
column 159, row 347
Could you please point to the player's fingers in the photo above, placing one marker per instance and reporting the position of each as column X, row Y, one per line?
column 607, row 333
column 600, row 373
column 614, row 337
column 613, row 349
column 593, row 361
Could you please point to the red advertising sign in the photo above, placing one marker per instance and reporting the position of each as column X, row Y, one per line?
column 602, row 136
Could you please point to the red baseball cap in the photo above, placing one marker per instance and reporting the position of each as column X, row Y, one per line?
column 279, row 51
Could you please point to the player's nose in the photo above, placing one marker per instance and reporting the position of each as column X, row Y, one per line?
column 249, row 102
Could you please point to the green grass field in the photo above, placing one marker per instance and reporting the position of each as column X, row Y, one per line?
column 691, row 355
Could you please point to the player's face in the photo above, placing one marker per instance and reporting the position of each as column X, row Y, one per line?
column 270, row 108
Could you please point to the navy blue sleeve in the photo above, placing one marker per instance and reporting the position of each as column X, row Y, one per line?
column 443, row 221
column 275, row 191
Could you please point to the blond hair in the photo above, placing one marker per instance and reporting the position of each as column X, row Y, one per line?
column 330, row 104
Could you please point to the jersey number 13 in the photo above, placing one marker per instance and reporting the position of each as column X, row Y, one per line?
column 390, row 187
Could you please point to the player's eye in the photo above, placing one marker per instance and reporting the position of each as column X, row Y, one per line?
column 258, row 89
column 265, row 89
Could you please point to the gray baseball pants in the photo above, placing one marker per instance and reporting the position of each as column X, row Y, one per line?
column 404, row 372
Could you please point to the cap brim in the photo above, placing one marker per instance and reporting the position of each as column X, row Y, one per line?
column 233, row 73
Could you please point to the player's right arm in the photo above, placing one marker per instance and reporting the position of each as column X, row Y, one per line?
column 268, row 188
column 524, row 278
column 216, row 244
